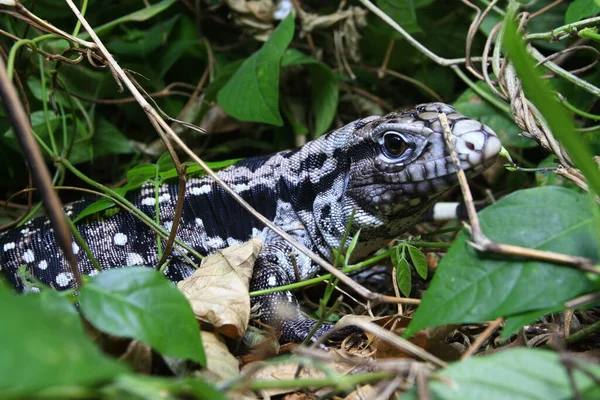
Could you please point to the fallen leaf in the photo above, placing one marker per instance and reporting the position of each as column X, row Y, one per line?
column 363, row 392
column 286, row 370
column 218, row 290
column 218, row 358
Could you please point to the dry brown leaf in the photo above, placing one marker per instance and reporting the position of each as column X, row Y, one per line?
column 218, row 290
column 138, row 356
column 219, row 361
column 287, row 370
column 363, row 392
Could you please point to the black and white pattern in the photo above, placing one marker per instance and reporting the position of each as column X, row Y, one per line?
column 387, row 170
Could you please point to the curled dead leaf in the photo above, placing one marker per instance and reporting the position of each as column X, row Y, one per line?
column 218, row 290
column 219, row 360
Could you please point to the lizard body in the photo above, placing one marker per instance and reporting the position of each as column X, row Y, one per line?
column 387, row 170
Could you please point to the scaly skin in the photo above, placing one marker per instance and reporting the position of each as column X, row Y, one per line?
column 387, row 170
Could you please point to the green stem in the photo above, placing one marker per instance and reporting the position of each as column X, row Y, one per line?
column 563, row 32
column 84, row 5
column 45, row 106
column 583, row 333
column 83, row 244
column 576, row 110
column 308, row 282
column 159, row 229
column 590, row 33
column 12, row 55
column 482, row 93
column 346, row 382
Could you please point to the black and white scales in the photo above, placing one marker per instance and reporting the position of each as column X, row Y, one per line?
column 388, row 170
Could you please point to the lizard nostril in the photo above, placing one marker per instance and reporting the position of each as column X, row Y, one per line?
column 470, row 145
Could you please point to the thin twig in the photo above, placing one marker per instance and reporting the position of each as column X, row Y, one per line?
column 483, row 337
column 152, row 114
column 482, row 243
column 41, row 175
column 437, row 59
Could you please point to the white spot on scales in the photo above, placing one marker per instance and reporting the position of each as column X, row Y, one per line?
column 120, row 239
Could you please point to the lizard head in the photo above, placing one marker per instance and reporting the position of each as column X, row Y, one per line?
column 400, row 163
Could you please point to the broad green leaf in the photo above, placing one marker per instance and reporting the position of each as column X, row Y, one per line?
column 38, row 124
column 107, row 139
column 471, row 104
column 252, row 94
column 35, row 86
column 323, row 85
column 580, row 9
column 138, row 43
column 140, row 303
column 44, row 346
column 158, row 388
column 183, row 41
column 195, row 169
column 211, row 92
column 546, row 102
column 403, row 271
column 418, row 260
column 165, row 162
column 516, row 374
column 140, row 174
column 473, row 287
column 403, row 12
column 548, row 178
column 143, row 14
column 97, row 206
column 515, row 323
column 295, row 113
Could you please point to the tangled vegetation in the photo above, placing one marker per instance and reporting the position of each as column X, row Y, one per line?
column 119, row 93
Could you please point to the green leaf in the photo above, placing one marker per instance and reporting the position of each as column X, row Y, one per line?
column 471, row 104
column 252, row 94
column 403, row 271
column 403, row 12
column 140, row 303
column 473, row 287
column 211, row 92
column 548, row 178
column 580, row 9
column 38, row 124
column 351, row 247
column 107, row 139
column 183, row 41
column 138, row 43
column 44, row 346
column 418, row 260
column 144, row 14
column 140, row 174
column 542, row 97
column 516, row 374
column 515, row 323
column 324, row 88
column 96, row 207
column 158, row 388
column 136, row 177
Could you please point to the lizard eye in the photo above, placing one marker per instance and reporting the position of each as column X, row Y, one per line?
column 394, row 144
